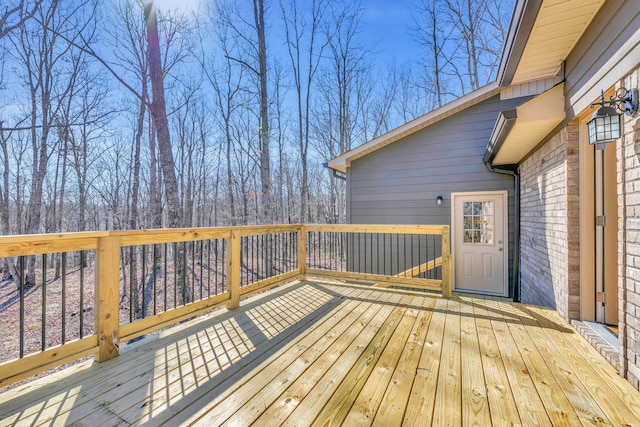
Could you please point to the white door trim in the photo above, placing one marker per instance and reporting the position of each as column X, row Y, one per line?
column 505, row 227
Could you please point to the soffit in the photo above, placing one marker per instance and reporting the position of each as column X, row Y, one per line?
column 533, row 121
column 557, row 28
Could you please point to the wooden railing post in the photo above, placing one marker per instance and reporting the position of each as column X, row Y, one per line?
column 446, row 263
column 302, row 252
column 234, row 269
column 107, row 317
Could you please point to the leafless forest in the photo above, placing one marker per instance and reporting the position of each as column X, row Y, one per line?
column 115, row 115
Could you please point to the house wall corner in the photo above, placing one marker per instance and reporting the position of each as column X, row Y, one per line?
column 550, row 226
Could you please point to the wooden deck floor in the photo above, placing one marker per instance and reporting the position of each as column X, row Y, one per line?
column 326, row 354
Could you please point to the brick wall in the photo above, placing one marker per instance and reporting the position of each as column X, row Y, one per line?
column 628, row 159
column 549, row 231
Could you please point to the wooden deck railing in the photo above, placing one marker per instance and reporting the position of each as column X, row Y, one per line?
column 84, row 293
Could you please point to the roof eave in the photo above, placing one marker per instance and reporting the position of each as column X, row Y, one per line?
column 524, row 17
column 505, row 122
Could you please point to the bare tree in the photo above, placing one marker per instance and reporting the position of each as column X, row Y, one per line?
column 227, row 79
column 252, row 55
column 434, row 36
column 263, row 76
column 9, row 270
column 305, row 56
column 51, row 69
column 463, row 40
column 343, row 91
column 159, row 114
column 14, row 13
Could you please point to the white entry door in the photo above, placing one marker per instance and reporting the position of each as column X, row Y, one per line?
column 479, row 242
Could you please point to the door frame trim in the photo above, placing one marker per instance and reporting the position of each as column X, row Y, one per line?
column 505, row 228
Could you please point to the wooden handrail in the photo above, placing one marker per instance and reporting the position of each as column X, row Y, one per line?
column 108, row 246
column 376, row 228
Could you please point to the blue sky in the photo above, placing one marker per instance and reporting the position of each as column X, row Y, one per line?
column 388, row 23
column 385, row 24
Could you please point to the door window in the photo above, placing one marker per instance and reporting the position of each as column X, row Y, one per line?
column 478, row 219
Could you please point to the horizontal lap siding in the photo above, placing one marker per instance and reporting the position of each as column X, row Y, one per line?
column 605, row 54
column 398, row 184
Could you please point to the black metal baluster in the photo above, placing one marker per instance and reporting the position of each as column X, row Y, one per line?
column 384, row 254
column 164, row 275
column 155, row 274
column 193, row 271
column 332, row 236
column 21, row 291
column 377, row 269
column 201, row 260
column 44, row 301
column 371, row 252
column 397, row 254
column 280, row 251
column 63, row 271
column 184, row 271
column 361, row 252
column 256, row 259
column 224, row 264
column 208, row 268
column 343, row 260
column 312, row 248
column 81, row 294
column 265, row 248
column 420, row 256
column 434, row 250
column 249, row 253
column 412, row 259
column 251, row 269
column 132, row 279
column 144, row 284
column 175, row 275
column 323, row 258
column 216, row 264
column 352, row 238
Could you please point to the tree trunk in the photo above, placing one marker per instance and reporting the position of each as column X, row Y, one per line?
column 161, row 124
column 265, row 164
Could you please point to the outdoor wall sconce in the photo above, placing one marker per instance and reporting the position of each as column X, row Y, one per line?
column 604, row 125
column 439, row 200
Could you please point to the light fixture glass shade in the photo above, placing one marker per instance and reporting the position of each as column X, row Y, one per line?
column 604, row 126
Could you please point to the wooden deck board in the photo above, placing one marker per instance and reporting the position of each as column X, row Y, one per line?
column 617, row 411
column 422, row 398
column 530, row 407
column 579, row 398
column 297, row 390
column 328, row 354
column 475, row 403
column 501, row 401
column 273, row 380
column 447, row 407
column 394, row 402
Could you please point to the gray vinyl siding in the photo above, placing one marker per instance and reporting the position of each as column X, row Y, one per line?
column 399, row 183
column 608, row 49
